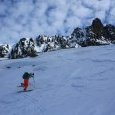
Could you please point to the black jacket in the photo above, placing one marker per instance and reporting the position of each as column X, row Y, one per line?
column 26, row 75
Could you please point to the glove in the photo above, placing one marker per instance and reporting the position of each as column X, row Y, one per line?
column 31, row 74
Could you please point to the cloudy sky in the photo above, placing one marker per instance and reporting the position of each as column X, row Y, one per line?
column 29, row 18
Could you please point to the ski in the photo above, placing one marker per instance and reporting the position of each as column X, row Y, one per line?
column 25, row 91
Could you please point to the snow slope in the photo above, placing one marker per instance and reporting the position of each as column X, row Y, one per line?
column 67, row 82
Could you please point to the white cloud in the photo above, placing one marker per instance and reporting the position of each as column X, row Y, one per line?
column 29, row 18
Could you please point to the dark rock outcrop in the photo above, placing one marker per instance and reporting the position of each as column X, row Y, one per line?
column 4, row 50
column 25, row 47
column 96, row 34
column 46, row 43
column 93, row 35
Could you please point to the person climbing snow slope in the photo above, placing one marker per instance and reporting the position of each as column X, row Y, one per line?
column 26, row 76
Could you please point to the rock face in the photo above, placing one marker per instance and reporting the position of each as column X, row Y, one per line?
column 93, row 35
column 4, row 50
column 46, row 43
column 25, row 47
column 109, row 33
column 29, row 47
column 97, row 28
column 96, row 34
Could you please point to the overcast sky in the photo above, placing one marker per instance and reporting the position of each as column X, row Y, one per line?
column 29, row 18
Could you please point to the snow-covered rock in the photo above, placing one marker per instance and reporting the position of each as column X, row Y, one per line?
column 96, row 34
column 4, row 50
column 46, row 43
column 25, row 47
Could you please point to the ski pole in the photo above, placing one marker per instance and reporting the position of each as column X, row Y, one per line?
column 34, row 81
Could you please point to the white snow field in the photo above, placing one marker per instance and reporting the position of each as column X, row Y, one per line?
column 67, row 82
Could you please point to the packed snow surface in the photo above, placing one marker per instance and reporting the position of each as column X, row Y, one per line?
column 67, row 82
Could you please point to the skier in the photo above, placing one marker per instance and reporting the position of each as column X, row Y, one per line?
column 26, row 77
